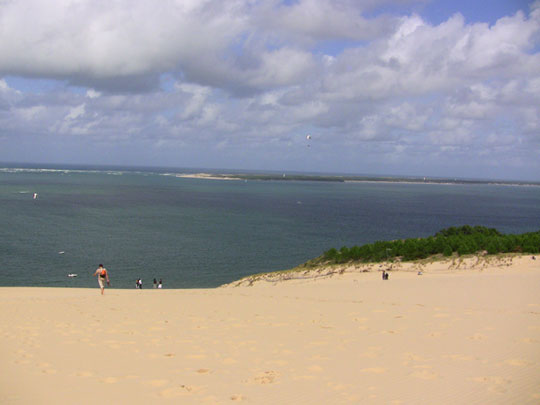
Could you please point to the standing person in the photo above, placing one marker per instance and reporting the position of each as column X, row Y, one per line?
column 160, row 285
column 103, row 276
column 155, row 283
column 140, row 284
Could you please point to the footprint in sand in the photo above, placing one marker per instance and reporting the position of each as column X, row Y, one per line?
column 425, row 374
column 157, row 383
column 277, row 362
column 494, row 383
column 267, row 377
column 196, row 356
column 374, row 370
column 319, row 343
column 477, row 336
column 441, row 315
column 458, row 357
column 304, row 377
column 517, row 362
column 372, row 352
column 178, row 391
column 84, row 374
column 238, row 397
column 408, row 357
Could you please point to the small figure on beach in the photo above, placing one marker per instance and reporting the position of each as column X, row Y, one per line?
column 139, row 283
column 155, row 283
column 160, row 285
column 103, row 276
column 385, row 275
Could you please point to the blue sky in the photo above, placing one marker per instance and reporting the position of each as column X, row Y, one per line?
column 403, row 87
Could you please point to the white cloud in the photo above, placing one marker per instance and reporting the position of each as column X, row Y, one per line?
column 91, row 93
column 255, row 74
column 76, row 112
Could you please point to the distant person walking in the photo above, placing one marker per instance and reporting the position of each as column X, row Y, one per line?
column 139, row 283
column 103, row 276
column 160, row 285
column 155, row 283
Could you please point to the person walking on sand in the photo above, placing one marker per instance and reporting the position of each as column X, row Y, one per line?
column 103, row 276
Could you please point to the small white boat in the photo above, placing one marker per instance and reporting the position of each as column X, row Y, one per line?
column 72, row 275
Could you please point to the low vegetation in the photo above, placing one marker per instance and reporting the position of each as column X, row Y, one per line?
column 454, row 240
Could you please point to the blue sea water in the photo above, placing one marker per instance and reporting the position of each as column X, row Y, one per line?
column 197, row 233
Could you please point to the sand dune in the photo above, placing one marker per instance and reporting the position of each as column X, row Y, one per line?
column 449, row 337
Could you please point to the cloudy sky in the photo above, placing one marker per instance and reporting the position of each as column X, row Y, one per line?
column 406, row 87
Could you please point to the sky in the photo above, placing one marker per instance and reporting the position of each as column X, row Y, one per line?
column 435, row 88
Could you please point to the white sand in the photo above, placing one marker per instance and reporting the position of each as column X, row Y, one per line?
column 460, row 337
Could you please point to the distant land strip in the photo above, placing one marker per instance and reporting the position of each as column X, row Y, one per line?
column 343, row 179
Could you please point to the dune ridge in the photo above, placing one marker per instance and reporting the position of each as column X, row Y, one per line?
column 453, row 335
column 437, row 264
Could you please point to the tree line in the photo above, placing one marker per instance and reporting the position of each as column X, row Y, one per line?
column 461, row 240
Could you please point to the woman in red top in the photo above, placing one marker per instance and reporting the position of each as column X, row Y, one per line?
column 103, row 275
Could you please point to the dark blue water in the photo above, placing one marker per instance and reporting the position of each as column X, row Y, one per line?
column 203, row 233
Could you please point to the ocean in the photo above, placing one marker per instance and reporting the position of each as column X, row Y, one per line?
column 201, row 233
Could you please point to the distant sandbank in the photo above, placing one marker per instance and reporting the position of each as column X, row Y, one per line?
column 346, row 179
column 207, row 176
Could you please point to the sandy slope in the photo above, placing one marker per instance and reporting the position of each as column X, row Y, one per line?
column 446, row 337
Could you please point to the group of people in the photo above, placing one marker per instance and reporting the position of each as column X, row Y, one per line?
column 139, row 283
column 103, row 277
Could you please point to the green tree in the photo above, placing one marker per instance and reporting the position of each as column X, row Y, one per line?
column 447, row 250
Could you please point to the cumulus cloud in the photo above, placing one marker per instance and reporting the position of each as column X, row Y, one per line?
column 256, row 74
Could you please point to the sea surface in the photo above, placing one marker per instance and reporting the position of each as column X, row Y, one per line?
column 199, row 233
